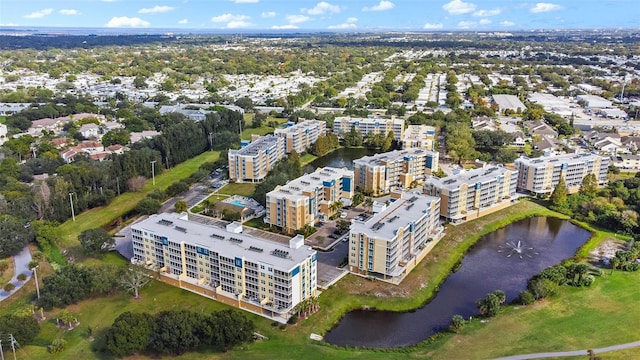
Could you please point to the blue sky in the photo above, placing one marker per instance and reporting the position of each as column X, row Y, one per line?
column 338, row 15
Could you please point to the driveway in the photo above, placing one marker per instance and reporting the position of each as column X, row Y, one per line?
column 21, row 265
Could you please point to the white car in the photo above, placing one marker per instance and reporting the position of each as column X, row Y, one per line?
column 343, row 215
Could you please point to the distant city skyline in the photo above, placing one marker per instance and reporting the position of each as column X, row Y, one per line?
column 332, row 15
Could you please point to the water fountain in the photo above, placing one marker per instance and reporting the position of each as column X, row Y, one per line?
column 517, row 248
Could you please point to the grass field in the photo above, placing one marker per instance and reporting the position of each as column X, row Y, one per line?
column 577, row 318
column 8, row 274
column 307, row 158
column 247, row 131
column 243, row 189
column 126, row 202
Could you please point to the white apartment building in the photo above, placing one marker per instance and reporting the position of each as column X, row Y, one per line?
column 253, row 162
column 419, row 136
column 396, row 169
column 309, row 198
column 391, row 243
column 469, row 194
column 3, row 134
column 541, row 175
column 365, row 126
column 241, row 270
column 299, row 137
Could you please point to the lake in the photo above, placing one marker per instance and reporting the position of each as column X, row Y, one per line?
column 502, row 260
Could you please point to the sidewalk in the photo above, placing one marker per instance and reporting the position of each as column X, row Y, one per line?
column 21, row 265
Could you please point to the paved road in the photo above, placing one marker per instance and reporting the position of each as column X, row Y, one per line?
column 571, row 353
column 21, row 265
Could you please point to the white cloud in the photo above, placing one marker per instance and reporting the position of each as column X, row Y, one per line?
column 246, row 1
column 485, row 13
column 296, row 19
column 484, row 22
column 429, row 26
column 225, row 18
column 69, row 12
column 8, row 24
column 466, row 24
column 322, row 7
column 382, row 6
column 507, row 23
column 156, row 9
column 239, row 24
column 457, row 7
column 268, row 14
column 349, row 24
column 38, row 14
column 124, row 21
column 545, row 7
column 284, row 27
column 183, row 21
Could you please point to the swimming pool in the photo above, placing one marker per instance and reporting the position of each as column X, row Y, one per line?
column 239, row 203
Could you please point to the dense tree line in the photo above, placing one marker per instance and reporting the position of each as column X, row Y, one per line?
column 285, row 170
column 614, row 207
column 73, row 283
column 176, row 332
column 546, row 283
column 23, row 328
column 14, row 235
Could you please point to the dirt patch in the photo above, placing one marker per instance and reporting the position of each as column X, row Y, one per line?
column 606, row 250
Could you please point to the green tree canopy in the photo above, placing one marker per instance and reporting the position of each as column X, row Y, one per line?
column 96, row 242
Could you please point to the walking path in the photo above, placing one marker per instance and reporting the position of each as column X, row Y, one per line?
column 21, row 266
column 571, row 353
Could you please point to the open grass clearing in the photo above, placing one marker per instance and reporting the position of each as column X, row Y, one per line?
column 243, row 189
column 265, row 129
column 125, row 203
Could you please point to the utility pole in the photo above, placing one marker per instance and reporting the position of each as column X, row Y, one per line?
column 153, row 171
column 240, row 124
column 13, row 345
column 118, row 184
column 73, row 214
column 35, row 275
column 210, row 142
column 1, row 353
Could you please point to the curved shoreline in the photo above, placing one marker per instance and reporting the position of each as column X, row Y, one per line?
column 451, row 261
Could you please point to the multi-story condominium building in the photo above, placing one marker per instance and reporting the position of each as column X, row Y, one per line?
column 396, row 169
column 241, row 270
column 419, row 136
column 301, row 136
column 254, row 161
column 308, row 198
column 541, row 175
column 365, row 126
column 470, row 194
column 391, row 243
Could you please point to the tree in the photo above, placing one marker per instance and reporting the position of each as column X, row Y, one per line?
column 589, row 185
column 139, row 82
column 13, row 235
column 129, row 334
column 134, row 279
column 23, row 328
column 457, row 323
column 96, row 242
column 342, row 225
column 148, row 206
column 489, row 305
column 460, row 143
column 181, row 206
column 559, row 195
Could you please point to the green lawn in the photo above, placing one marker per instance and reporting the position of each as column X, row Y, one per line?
column 577, row 318
column 243, row 189
column 8, row 274
column 247, row 131
column 307, row 158
column 121, row 205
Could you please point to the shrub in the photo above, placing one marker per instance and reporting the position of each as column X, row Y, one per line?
column 587, row 280
column 293, row 319
column 57, row 345
column 22, row 277
column 457, row 323
column 9, row 287
column 526, row 297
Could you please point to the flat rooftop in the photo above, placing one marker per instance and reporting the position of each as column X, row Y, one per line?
column 309, row 182
column 225, row 243
column 400, row 213
column 371, row 120
column 256, row 146
column 395, row 155
column 301, row 125
column 509, row 101
column 564, row 158
column 469, row 177
column 419, row 132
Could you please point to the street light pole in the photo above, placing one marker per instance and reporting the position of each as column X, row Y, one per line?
column 35, row 275
column 153, row 171
column 73, row 213
column 210, row 142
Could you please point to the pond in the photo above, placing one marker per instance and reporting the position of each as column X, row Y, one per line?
column 339, row 158
column 503, row 260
